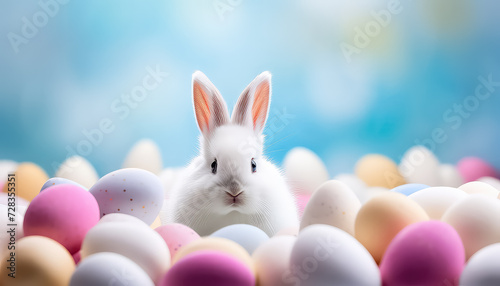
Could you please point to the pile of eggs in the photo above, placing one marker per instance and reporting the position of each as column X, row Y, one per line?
column 418, row 222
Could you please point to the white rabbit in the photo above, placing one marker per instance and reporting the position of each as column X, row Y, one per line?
column 231, row 182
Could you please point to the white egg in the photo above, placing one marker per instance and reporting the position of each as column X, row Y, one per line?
column 248, row 236
column 137, row 242
column 333, row 203
column 7, row 167
column 146, row 155
column 476, row 187
column 272, row 260
column 119, row 217
column 79, row 170
column 107, row 268
column 483, row 267
column 420, row 166
column 494, row 182
column 356, row 184
column 436, row 200
column 449, row 176
column 326, row 255
column 476, row 218
column 304, row 170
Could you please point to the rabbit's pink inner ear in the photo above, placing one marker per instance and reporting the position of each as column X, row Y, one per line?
column 260, row 106
column 201, row 106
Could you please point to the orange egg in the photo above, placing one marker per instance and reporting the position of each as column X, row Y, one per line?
column 29, row 180
column 379, row 171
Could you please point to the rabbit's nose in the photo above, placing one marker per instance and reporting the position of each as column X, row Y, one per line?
column 234, row 188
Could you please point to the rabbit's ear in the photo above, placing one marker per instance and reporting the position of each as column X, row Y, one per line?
column 209, row 106
column 253, row 105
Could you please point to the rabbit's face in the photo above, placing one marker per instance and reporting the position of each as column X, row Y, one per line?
column 232, row 159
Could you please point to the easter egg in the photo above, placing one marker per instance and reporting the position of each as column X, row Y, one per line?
column 378, row 171
column 494, row 182
column 119, row 217
column 135, row 192
column 64, row 213
column 425, row 253
column 450, row 176
column 436, row 200
column 302, row 200
column 477, row 220
column 135, row 241
column 59, row 181
column 209, row 268
column 272, row 259
column 107, row 268
column 408, row 189
column 39, row 261
column 354, row 183
column 420, row 166
column 476, row 187
column 333, row 203
column 325, row 255
column 473, row 168
column 290, row 230
column 29, row 178
column 216, row 244
column 248, row 236
column 145, row 155
column 176, row 235
column 482, row 268
column 79, row 170
column 304, row 170
column 156, row 223
column 382, row 217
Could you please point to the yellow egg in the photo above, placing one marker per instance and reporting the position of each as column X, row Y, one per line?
column 29, row 180
column 156, row 223
column 39, row 261
column 379, row 171
column 382, row 217
column 217, row 244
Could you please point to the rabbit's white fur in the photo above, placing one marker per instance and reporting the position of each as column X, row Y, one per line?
column 206, row 201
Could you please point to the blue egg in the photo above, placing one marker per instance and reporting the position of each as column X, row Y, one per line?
column 409, row 189
column 60, row 181
column 248, row 236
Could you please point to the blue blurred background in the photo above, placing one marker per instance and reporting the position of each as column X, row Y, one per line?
column 69, row 75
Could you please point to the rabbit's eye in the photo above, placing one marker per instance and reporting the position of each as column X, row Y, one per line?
column 214, row 166
column 254, row 166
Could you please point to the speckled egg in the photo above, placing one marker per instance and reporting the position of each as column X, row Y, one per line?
column 248, row 236
column 333, row 203
column 272, row 260
column 425, row 253
column 382, row 217
column 136, row 241
column 473, row 168
column 64, row 213
column 135, row 192
column 379, row 171
column 60, row 181
column 40, row 261
column 477, row 220
column 176, row 236
column 326, row 255
column 107, row 268
column 482, row 269
column 209, row 268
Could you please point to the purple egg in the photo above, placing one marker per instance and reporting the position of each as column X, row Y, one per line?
column 425, row 253
column 473, row 168
column 208, row 268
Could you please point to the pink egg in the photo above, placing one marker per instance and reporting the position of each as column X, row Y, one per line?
column 64, row 213
column 473, row 168
column 425, row 253
column 176, row 235
column 302, row 200
column 208, row 268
